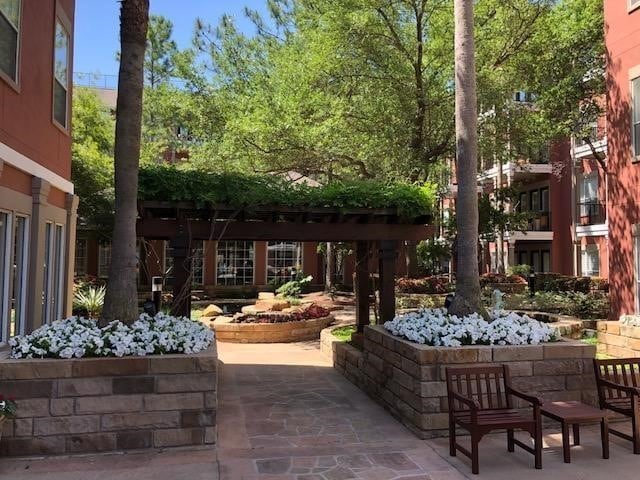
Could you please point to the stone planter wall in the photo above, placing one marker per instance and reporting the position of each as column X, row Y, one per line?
column 106, row 404
column 618, row 340
column 409, row 379
column 297, row 331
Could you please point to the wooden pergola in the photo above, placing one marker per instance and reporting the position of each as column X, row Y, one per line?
column 182, row 222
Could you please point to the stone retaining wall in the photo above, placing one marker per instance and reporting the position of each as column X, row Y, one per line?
column 409, row 379
column 297, row 331
column 105, row 404
column 618, row 340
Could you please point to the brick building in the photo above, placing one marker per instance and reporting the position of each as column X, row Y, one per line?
column 622, row 41
column 37, row 204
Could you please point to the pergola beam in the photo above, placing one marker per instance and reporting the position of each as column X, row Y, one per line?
column 163, row 229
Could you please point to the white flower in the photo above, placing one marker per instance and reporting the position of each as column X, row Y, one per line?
column 80, row 337
column 437, row 328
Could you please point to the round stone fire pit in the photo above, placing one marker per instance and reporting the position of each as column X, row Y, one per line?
column 281, row 332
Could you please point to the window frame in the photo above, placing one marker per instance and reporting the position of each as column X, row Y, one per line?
column 252, row 257
column 102, row 248
column 6, row 265
column 635, row 139
column 83, row 264
column 15, row 84
column 632, row 5
column 62, row 19
column 24, row 273
column 587, row 250
column 301, row 265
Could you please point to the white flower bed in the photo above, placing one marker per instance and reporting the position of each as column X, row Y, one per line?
column 437, row 328
column 80, row 337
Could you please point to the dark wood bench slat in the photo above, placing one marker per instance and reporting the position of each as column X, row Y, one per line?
column 480, row 402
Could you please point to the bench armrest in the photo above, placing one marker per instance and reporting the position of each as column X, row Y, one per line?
column 618, row 386
column 535, row 401
column 469, row 402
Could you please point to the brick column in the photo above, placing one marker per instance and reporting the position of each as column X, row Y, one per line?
column 71, row 205
column 39, row 192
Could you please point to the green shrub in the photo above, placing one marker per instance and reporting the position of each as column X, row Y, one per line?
column 294, row 288
column 522, row 270
column 89, row 300
column 243, row 191
column 578, row 304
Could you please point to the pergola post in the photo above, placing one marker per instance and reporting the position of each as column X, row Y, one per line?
column 387, row 256
column 362, row 285
column 180, row 250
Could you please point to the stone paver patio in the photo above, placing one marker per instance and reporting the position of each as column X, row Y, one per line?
column 285, row 414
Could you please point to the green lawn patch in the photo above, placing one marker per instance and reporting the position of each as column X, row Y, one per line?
column 344, row 333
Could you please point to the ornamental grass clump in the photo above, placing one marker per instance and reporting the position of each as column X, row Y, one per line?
column 437, row 328
column 77, row 337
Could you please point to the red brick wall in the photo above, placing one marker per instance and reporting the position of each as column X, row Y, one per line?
column 560, row 199
column 622, row 39
column 26, row 115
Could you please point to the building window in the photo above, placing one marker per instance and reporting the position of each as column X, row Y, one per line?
column 61, row 75
column 234, row 263
column 284, row 261
column 546, row 261
column 53, row 288
column 591, row 261
column 633, row 4
column 635, row 112
column 9, row 38
column 81, row 257
column 18, row 288
column 5, row 269
column 104, row 259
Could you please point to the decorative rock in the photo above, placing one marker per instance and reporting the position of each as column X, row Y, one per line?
column 212, row 311
column 272, row 305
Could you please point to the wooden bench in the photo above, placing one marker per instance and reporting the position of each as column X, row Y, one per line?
column 480, row 401
column 618, row 382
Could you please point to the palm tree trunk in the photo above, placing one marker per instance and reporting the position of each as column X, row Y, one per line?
column 467, row 297
column 121, row 301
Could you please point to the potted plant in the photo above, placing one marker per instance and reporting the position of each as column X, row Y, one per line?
column 7, row 409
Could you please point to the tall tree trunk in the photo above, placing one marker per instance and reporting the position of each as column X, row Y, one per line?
column 121, row 300
column 330, row 270
column 467, row 298
column 500, row 242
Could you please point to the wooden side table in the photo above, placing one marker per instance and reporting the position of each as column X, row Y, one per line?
column 574, row 414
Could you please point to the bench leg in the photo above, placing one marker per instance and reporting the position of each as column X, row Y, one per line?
column 635, row 425
column 537, row 441
column 510, row 443
column 576, row 434
column 475, row 464
column 452, row 438
column 604, row 434
column 566, row 453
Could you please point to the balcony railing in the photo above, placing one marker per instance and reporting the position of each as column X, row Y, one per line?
column 541, row 222
column 591, row 213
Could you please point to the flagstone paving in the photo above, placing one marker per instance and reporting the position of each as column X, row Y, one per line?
column 285, row 414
